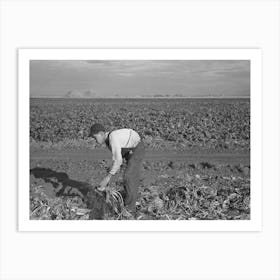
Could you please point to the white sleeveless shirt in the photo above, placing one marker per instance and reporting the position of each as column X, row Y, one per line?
column 118, row 139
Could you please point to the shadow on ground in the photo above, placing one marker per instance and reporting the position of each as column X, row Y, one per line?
column 61, row 182
column 64, row 186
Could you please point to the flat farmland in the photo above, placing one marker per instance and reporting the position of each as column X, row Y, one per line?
column 197, row 162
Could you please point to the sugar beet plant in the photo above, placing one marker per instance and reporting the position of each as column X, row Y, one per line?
column 162, row 124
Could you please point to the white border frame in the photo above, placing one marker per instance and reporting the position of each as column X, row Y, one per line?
column 254, row 55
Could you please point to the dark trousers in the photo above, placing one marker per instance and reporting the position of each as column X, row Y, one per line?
column 132, row 176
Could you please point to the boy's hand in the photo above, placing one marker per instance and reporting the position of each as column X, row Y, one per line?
column 104, row 183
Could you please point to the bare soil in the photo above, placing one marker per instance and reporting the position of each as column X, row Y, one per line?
column 188, row 185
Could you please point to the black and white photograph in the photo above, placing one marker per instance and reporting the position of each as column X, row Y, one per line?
column 140, row 139
column 147, row 137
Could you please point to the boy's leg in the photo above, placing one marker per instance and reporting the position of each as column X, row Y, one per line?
column 132, row 176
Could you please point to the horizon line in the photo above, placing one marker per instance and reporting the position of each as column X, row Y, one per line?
column 140, row 97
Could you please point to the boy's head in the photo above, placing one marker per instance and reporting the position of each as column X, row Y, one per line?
column 97, row 131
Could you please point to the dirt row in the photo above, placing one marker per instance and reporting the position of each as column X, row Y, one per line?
column 104, row 154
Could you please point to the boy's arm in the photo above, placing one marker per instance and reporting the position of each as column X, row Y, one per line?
column 117, row 161
column 116, row 155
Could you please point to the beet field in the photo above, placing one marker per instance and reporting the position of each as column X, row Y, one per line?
column 197, row 162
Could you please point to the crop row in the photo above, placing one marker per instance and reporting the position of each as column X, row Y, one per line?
column 219, row 125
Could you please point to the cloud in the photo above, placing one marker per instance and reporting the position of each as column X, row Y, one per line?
column 93, row 78
column 80, row 94
column 152, row 68
column 129, row 68
column 125, row 74
column 213, row 68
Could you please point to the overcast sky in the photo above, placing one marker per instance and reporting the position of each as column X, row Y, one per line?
column 132, row 78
